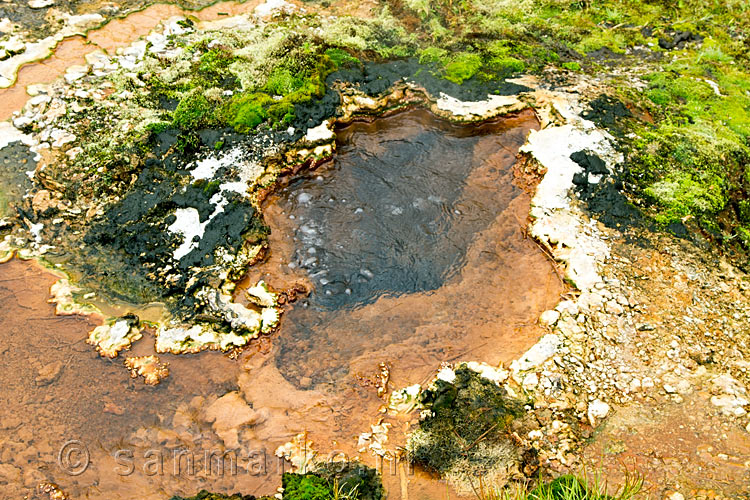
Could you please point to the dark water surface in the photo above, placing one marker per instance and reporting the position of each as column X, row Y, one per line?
column 389, row 215
column 411, row 234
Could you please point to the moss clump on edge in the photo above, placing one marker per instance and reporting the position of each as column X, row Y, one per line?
column 462, row 437
column 344, row 481
column 682, row 196
column 206, row 495
column 565, row 487
column 306, row 487
column 193, row 112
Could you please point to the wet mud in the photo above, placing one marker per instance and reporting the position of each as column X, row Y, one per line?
column 56, row 388
column 14, row 182
column 316, row 373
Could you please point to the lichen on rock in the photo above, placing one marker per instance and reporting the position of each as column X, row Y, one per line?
column 463, row 430
column 148, row 367
column 69, row 300
column 115, row 335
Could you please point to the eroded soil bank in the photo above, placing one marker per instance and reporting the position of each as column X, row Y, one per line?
column 319, row 373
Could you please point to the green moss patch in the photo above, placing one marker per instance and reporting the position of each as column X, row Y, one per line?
column 464, row 434
column 333, row 481
column 206, row 495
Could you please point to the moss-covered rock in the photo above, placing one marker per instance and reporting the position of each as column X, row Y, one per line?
column 462, row 434
column 206, row 495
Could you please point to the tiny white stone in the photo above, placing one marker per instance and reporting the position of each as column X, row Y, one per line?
column 549, row 318
column 598, row 409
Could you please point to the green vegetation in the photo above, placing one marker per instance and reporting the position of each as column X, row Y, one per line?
column 692, row 163
column 333, row 481
column 566, row 487
column 306, row 487
column 462, row 66
column 206, row 495
column 464, row 437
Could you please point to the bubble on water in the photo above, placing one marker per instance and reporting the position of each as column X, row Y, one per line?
column 307, row 229
column 328, row 292
column 348, row 291
column 292, row 217
column 358, row 210
column 324, row 281
column 304, row 198
column 312, row 250
column 397, row 211
column 367, row 273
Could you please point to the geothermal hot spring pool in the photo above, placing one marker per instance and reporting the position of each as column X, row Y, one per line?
column 411, row 244
column 410, row 241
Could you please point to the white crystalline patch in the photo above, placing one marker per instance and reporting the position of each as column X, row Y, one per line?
column 188, row 223
column 475, row 108
column 172, row 339
column 714, row 86
column 40, row 4
column 33, row 52
column 537, row 354
column 236, row 187
column 262, row 295
column 597, row 410
column 249, row 171
column 84, row 22
column 319, row 133
column 446, row 374
column 496, row 375
column 272, row 7
column 207, row 168
column 111, row 339
column 552, row 147
column 239, row 316
column 405, row 400
column 6, row 25
column 119, row 331
column 269, row 318
column 10, row 134
column 36, row 230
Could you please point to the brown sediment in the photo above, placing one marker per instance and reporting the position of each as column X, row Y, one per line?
column 56, row 389
column 69, row 52
column 486, row 312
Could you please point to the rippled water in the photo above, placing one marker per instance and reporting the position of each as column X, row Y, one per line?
column 411, row 234
column 389, row 215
